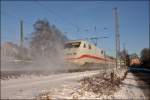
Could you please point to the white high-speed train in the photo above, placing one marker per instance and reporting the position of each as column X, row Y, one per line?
column 82, row 52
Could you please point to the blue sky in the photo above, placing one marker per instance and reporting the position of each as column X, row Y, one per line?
column 68, row 15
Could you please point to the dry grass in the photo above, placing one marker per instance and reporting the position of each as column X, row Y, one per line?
column 101, row 84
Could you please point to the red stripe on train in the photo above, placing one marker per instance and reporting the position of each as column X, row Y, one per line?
column 87, row 56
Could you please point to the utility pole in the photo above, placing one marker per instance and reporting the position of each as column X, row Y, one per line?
column 105, row 60
column 117, row 37
column 124, row 46
column 21, row 33
column 124, row 53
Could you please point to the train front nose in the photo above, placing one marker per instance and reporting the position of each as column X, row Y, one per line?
column 71, row 49
column 70, row 55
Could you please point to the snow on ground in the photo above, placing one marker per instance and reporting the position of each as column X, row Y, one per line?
column 30, row 87
column 129, row 89
column 65, row 86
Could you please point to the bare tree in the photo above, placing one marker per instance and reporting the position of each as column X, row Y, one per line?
column 125, row 57
column 145, row 56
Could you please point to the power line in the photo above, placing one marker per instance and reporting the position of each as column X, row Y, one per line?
column 59, row 16
column 21, row 26
column 10, row 15
column 17, row 18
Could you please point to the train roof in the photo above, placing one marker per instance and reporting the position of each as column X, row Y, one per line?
column 81, row 40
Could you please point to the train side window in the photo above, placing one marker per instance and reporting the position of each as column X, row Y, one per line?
column 84, row 45
column 89, row 46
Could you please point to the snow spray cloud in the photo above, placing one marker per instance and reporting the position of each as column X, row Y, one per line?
column 45, row 52
column 47, row 46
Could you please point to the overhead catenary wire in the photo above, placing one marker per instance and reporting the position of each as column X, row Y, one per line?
column 48, row 10
column 10, row 15
column 54, row 13
column 58, row 15
column 17, row 18
column 13, row 16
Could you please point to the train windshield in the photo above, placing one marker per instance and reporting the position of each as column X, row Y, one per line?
column 73, row 45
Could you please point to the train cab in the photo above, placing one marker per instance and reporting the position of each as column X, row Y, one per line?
column 81, row 52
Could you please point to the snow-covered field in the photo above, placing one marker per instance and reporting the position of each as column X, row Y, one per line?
column 64, row 85
column 29, row 87
column 129, row 89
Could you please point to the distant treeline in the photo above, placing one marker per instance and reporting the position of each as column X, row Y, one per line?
column 145, row 57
